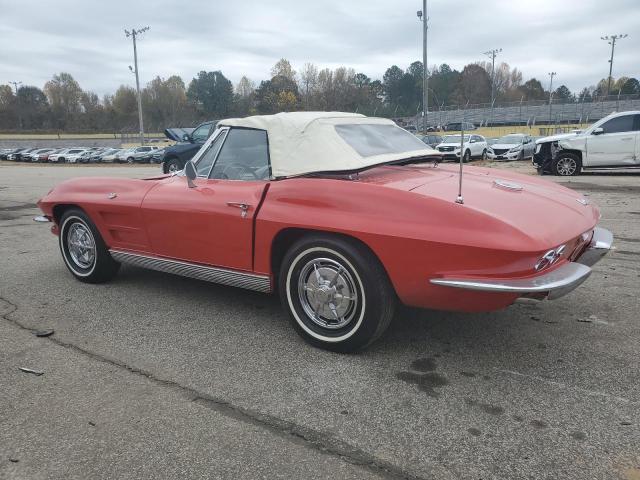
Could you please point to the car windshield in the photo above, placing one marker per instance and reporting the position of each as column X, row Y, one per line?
column 454, row 138
column 510, row 139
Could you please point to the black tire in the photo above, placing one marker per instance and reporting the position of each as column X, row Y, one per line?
column 566, row 165
column 101, row 268
column 172, row 165
column 363, row 317
column 484, row 154
column 62, row 160
column 520, row 156
column 467, row 157
column 130, row 160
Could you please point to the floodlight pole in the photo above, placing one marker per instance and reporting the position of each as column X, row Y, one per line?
column 15, row 85
column 551, row 75
column 133, row 34
column 492, row 54
column 611, row 39
column 422, row 15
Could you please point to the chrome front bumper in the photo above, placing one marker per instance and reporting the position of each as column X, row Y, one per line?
column 600, row 245
column 551, row 285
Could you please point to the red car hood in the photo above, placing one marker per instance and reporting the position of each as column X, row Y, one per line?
column 541, row 210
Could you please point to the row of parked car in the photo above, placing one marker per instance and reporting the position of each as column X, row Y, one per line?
column 449, row 127
column 515, row 146
column 143, row 154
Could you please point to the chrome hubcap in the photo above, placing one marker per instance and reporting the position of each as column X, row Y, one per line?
column 327, row 293
column 173, row 168
column 566, row 166
column 81, row 246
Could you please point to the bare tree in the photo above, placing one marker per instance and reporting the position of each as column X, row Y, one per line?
column 245, row 87
column 308, row 83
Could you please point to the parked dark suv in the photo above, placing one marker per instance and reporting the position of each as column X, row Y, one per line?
column 176, row 156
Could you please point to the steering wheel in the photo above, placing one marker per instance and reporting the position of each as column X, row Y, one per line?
column 236, row 172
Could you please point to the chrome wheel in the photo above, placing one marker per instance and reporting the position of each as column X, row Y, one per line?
column 81, row 245
column 327, row 293
column 173, row 167
column 566, row 166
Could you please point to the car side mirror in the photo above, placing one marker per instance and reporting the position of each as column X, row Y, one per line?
column 186, row 137
column 190, row 173
column 598, row 131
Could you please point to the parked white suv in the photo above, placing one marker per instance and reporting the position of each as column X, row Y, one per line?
column 63, row 155
column 613, row 142
column 475, row 146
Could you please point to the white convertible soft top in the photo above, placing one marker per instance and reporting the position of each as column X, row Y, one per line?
column 310, row 142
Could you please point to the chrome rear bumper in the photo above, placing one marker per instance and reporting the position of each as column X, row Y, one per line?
column 551, row 285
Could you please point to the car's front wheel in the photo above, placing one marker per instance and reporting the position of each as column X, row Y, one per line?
column 337, row 293
column 484, row 154
column 83, row 249
column 172, row 165
column 566, row 164
column 467, row 157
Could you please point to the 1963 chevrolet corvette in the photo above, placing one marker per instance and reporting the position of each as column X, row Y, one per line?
column 343, row 216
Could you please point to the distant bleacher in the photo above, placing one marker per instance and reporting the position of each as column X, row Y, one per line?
column 532, row 113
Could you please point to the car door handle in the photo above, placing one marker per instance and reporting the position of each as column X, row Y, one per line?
column 241, row 205
column 626, row 139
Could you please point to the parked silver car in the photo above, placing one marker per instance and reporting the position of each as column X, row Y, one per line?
column 515, row 146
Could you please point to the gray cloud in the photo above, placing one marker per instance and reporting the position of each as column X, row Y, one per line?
column 86, row 39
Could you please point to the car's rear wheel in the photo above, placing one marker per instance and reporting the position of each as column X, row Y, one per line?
column 83, row 249
column 172, row 165
column 566, row 164
column 337, row 293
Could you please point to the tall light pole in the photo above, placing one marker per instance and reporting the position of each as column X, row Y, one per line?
column 422, row 15
column 15, row 85
column 492, row 54
column 611, row 39
column 133, row 34
column 551, row 75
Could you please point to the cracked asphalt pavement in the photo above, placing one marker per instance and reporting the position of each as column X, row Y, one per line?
column 156, row 376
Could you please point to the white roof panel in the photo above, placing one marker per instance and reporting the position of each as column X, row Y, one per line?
column 308, row 142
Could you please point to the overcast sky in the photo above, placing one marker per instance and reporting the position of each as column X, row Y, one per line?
column 246, row 37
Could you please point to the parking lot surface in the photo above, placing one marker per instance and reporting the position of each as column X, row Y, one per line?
column 157, row 376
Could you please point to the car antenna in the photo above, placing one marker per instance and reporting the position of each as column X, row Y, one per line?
column 460, row 199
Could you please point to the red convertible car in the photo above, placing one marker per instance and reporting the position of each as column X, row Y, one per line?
column 342, row 215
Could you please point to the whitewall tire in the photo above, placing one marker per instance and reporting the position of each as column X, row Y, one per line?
column 336, row 292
